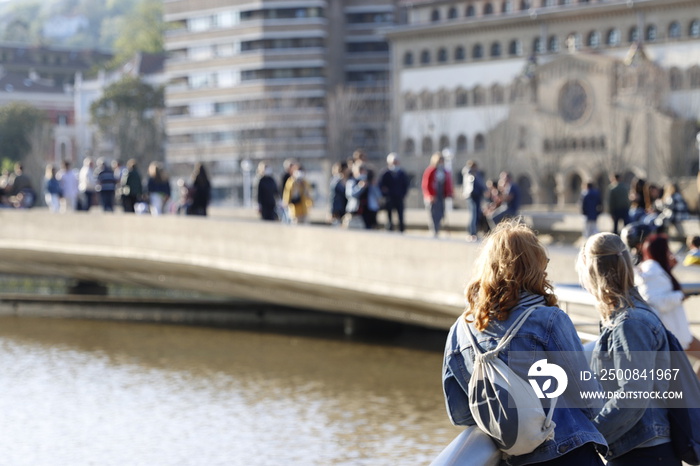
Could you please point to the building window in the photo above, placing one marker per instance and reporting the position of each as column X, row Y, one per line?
column 425, row 57
column 694, row 28
column 633, row 35
column 435, row 15
column 694, row 77
column 515, row 48
column 674, row 30
column 549, row 3
column 613, row 38
column 593, row 39
column 409, row 147
column 444, row 142
column 507, row 6
column 553, row 44
column 408, row 59
column 522, row 137
column 426, row 101
column 471, row 11
column 461, row 98
column 676, row 79
column 479, row 97
column 427, row 145
column 496, row 49
column 443, row 99
column 497, row 95
column 452, row 13
column 537, row 45
column 651, row 33
column 459, row 53
column 461, row 143
column 410, row 102
column 478, row 52
column 479, row 143
column 442, row 55
column 488, row 9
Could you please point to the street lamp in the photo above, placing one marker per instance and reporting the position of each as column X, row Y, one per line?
column 246, row 168
column 447, row 156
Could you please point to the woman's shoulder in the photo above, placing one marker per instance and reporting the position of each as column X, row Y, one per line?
column 638, row 318
column 649, row 267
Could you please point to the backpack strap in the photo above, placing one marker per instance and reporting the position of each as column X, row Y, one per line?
column 507, row 336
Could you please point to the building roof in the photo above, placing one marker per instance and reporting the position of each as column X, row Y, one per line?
column 13, row 82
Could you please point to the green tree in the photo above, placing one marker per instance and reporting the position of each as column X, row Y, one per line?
column 142, row 30
column 130, row 115
column 18, row 122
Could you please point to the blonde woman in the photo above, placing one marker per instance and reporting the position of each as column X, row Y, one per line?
column 297, row 196
column 632, row 337
column 158, row 186
column 510, row 277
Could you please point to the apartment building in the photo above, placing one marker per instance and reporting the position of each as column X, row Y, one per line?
column 559, row 92
column 271, row 80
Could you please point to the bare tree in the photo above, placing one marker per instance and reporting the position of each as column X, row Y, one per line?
column 356, row 116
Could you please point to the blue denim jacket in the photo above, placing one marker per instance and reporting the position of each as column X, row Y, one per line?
column 548, row 332
column 635, row 338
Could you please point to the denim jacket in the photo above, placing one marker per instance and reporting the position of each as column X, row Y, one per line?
column 548, row 332
column 634, row 338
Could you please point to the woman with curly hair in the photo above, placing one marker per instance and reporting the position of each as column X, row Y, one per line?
column 510, row 279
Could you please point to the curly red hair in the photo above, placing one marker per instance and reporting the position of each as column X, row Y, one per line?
column 512, row 261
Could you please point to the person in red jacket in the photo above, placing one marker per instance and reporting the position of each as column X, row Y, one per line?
column 436, row 186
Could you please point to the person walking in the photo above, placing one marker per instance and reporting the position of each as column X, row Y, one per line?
column 509, row 279
column 674, row 208
column 297, row 196
column 338, row 199
column 436, row 185
column 106, row 185
column 87, row 183
column 393, row 184
column 631, row 338
column 473, row 189
column 618, row 203
column 52, row 189
column 131, row 186
column 357, row 193
column 158, row 187
column 591, row 207
column 199, row 191
column 268, row 195
column 69, row 187
column 660, row 288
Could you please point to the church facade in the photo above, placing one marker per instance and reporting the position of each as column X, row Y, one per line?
column 557, row 93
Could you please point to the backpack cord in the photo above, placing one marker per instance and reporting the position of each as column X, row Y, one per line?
column 507, row 337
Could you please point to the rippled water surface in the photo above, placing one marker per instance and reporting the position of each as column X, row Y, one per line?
column 104, row 393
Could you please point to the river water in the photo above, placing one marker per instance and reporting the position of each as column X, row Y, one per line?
column 76, row 392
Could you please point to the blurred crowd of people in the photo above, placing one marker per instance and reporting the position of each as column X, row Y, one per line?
column 635, row 207
column 357, row 193
column 99, row 183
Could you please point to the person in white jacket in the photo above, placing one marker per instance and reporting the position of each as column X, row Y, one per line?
column 662, row 291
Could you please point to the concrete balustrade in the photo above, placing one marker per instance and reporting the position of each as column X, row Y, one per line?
column 406, row 278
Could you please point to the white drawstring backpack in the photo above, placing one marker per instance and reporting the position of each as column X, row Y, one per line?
column 504, row 405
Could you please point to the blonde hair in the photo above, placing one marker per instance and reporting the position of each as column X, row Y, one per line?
column 605, row 270
column 512, row 260
column 436, row 158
